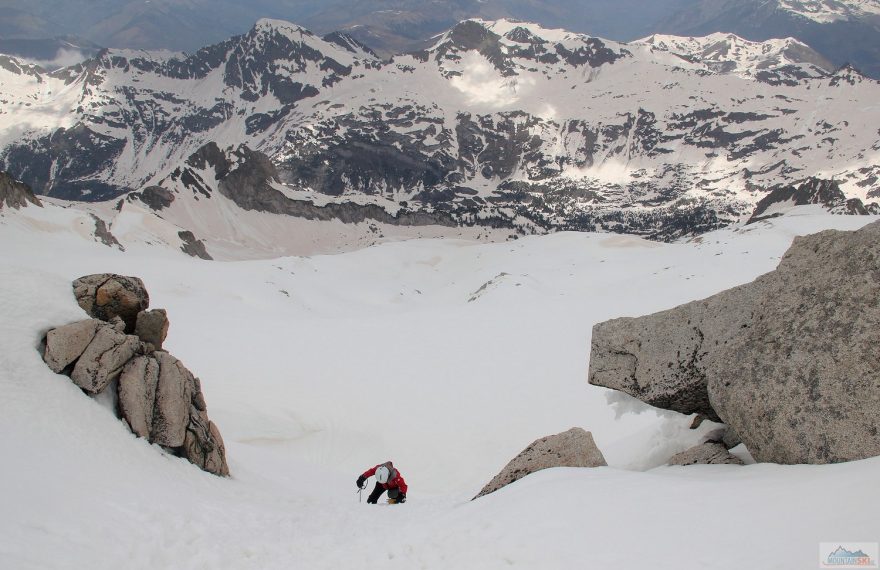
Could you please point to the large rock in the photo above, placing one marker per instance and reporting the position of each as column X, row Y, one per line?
column 158, row 397
column 573, row 448
column 137, row 394
column 706, row 454
column 152, row 327
column 107, row 295
column 67, row 343
column 174, row 393
column 788, row 361
column 801, row 384
column 103, row 359
column 662, row 358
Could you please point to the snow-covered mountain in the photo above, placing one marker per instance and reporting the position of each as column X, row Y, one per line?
column 844, row 31
column 832, row 10
column 501, row 124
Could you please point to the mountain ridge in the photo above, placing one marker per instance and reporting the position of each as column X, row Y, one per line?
column 636, row 137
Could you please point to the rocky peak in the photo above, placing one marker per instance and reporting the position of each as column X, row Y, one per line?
column 730, row 53
column 523, row 35
column 473, row 35
column 268, row 57
column 511, row 46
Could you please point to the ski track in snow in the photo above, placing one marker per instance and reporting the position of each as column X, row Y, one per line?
column 378, row 354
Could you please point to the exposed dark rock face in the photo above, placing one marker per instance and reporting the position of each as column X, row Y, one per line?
column 248, row 178
column 192, row 246
column 159, row 399
column 102, row 232
column 573, row 448
column 104, row 296
column 787, row 362
column 15, row 194
column 706, row 454
column 155, row 197
column 813, row 191
column 64, row 164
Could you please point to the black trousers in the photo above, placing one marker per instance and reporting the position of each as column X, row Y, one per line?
column 377, row 492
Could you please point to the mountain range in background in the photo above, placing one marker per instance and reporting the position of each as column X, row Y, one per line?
column 497, row 124
column 844, row 31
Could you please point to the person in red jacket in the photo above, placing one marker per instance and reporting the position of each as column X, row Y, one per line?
column 387, row 479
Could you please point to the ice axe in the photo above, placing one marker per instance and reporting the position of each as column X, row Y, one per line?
column 359, row 491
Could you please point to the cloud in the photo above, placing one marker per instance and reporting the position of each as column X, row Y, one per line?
column 64, row 57
column 482, row 84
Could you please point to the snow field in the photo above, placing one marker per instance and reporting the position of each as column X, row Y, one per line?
column 445, row 356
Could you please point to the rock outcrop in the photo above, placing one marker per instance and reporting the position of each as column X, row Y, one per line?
column 107, row 295
column 156, row 197
column 826, row 193
column 709, row 453
column 662, row 358
column 788, row 361
column 15, row 194
column 801, row 384
column 573, row 448
column 104, row 235
column 158, row 397
column 193, row 246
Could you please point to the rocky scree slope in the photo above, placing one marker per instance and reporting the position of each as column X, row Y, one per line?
column 503, row 123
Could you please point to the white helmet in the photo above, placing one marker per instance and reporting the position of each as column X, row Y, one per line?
column 382, row 474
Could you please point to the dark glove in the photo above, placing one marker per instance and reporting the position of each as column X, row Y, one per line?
column 360, row 482
column 401, row 497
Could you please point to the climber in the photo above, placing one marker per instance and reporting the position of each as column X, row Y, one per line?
column 387, row 479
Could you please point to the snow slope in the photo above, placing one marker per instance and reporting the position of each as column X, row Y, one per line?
column 447, row 357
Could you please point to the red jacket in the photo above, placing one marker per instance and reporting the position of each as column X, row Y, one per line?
column 395, row 482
